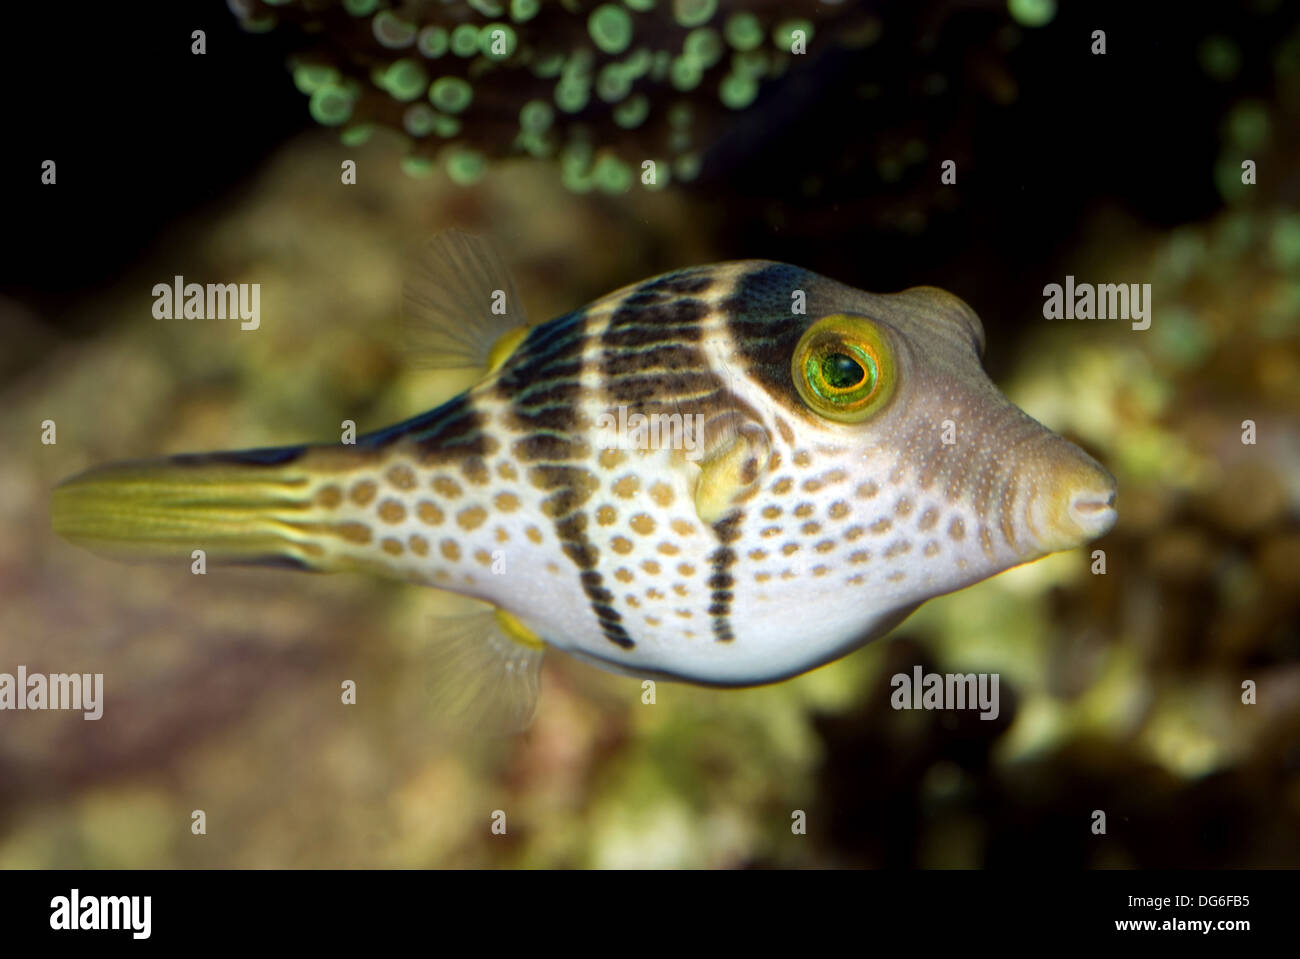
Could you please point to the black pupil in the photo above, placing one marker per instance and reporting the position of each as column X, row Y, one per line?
column 841, row 372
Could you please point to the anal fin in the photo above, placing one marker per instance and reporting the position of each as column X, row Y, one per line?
column 481, row 672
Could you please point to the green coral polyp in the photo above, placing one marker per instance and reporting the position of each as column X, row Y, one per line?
column 751, row 63
column 694, row 13
column 405, row 80
column 783, row 34
column 685, row 74
column 536, row 117
column 703, row 46
column 578, row 66
column 535, row 145
column 331, row 105
column 433, row 42
column 613, row 83
column 738, row 90
column 417, row 166
column 521, row 11
column 419, row 120
column 576, row 157
column 637, row 63
column 310, row 78
column 356, row 135
column 391, row 31
column 1032, row 13
column 548, row 67
column 622, row 79
column 610, row 28
column 631, row 113
column 498, row 41
column 451, row 94
column 743, row 31
column 464, row 40
column 445, row 126
column 612, row 175
column 572, row 95
column 466, row 166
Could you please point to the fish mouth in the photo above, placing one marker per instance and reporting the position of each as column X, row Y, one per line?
column 1093, row 512
column 1078, row 503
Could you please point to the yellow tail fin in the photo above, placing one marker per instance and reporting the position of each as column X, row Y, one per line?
column 237, row 507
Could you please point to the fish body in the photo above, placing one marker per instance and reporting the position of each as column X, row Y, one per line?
column 728, row 474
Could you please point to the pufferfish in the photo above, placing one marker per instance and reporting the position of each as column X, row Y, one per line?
column 811, row 462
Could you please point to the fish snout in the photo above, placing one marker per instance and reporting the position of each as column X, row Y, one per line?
column 1093, row 511
column 1076, row 502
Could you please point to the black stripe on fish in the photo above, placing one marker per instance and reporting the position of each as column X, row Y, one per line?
column 450, row 432
column 647, row 318
column 690, row 281
column 268, row 456
column 536, row 360
column 763, row 329
column 648, row 392
column 572, row 532
column 570, row 487
column 542, row 382
column 721, row 581
column 649, row 351
column 549, row 447
column 610, row 620
column 655, row 356
column 275, row 561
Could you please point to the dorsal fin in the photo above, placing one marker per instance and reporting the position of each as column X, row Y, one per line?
column 455, row 282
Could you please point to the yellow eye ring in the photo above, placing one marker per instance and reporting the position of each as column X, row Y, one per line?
column 844, row 368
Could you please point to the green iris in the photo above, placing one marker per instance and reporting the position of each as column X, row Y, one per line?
column 842, row 376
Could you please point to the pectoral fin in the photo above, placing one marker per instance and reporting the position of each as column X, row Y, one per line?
column 731, row 470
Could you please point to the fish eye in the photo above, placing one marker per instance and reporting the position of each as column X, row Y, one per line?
column 843, row 368
column 842, row 372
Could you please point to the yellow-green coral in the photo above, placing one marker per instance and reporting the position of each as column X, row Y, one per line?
column 469, row 78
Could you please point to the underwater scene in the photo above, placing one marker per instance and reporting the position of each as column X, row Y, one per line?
column 651, row 434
